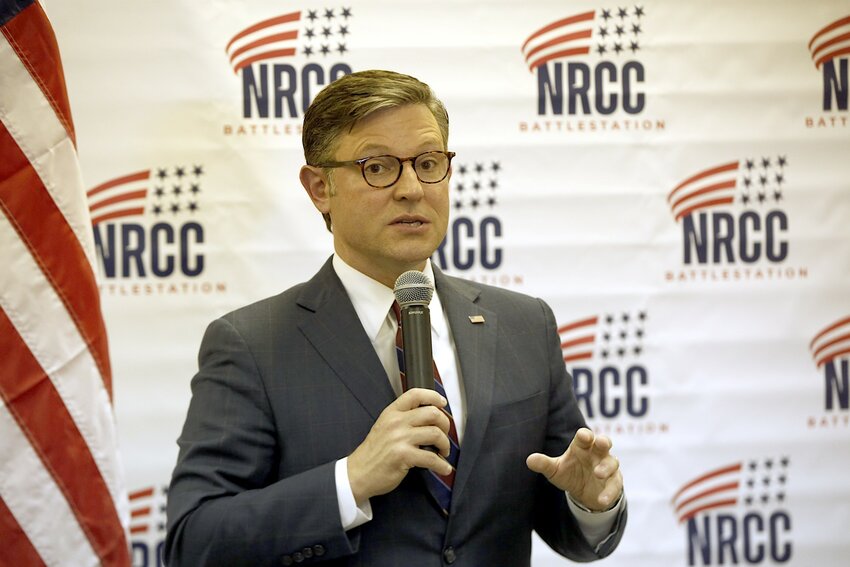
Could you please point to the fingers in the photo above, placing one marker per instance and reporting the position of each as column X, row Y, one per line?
column 428, row 419
column 543, row 464
column 612, row 491
column 428, row 448
column 431, row 437
column 419, row 421
column 430, row 415
column 416, row 397
column 583, row 438
column 426, row 459
column 597, row 446
column 606, row 467
column 397, row 442
column 587, row 470
column 601, row 446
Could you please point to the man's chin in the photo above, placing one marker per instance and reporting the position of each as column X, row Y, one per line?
column 413, row 261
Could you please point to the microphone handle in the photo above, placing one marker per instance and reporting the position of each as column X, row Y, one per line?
column 418, row 358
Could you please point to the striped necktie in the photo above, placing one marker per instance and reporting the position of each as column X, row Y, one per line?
column 440, row 486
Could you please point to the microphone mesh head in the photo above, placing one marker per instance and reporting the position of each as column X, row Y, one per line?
column 413, row 288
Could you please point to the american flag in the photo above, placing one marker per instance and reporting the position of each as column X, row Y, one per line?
column 159, row 191
column 749, row 181
column 757, row 482
column 832, row 342
column 831, row 41
column 609, row 336
column 314, row 34
column 606, row 32
column 62, row 498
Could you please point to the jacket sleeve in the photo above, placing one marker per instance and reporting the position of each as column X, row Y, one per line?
column 553, row 520
column 226, row 503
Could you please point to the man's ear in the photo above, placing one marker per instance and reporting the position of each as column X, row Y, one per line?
column 316, row 184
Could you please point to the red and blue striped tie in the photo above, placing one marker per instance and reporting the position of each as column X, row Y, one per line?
column 440, row 486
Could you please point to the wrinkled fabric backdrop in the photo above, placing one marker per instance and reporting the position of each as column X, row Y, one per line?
column 672, row 177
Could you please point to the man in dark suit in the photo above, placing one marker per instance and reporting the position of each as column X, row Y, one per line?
column 301, row 443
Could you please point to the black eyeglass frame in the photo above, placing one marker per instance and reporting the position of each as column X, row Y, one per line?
column 412, row 159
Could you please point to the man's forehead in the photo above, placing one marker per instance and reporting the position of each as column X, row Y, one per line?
column 411, row 115
column 412, row 127
column 370, row 146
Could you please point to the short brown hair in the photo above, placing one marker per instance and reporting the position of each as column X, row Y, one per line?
column 340, row 105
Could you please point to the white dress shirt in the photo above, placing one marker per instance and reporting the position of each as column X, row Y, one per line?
column 372, row 302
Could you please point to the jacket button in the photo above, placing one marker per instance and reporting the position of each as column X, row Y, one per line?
column 449, row 555
column 286, row 560
column 298, row 557
column 307, row 552
column 318, row 550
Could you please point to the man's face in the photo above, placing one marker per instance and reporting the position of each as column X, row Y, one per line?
column 384, row 232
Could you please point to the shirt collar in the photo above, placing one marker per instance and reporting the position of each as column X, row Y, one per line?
column 372, row 299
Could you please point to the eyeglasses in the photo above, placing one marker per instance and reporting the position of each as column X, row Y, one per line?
column 383, row 171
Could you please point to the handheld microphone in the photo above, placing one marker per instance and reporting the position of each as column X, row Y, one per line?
column 413, row 290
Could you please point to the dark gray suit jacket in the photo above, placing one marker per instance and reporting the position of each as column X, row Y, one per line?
column 289, row 385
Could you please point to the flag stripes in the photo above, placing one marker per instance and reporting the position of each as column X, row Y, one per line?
column 141, row 510
column 274, row 37
column 42, row 227
column 33, row 42
column 578, row 339
column 62, row 499
column 123, row 196
column 36, row 503
column 710, row 188
column 716, row 489
column 17, row 544
column 550, row 41
column 38, row 155
column 831, row 342
column 831, row 41
column 58, row 442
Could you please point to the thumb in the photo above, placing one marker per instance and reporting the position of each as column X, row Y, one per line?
column 540, row 463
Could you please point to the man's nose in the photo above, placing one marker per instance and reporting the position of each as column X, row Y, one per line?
column 408, row 185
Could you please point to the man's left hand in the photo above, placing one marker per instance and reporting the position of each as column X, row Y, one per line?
column 587, row 470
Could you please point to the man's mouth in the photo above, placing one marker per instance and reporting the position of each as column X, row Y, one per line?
column 413, row 222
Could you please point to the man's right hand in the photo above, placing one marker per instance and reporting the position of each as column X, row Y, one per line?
column 398, row 442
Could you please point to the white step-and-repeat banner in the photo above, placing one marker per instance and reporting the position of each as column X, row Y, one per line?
column 672, row 177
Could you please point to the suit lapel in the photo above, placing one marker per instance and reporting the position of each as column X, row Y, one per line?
column 476, row 348
column 331, row 325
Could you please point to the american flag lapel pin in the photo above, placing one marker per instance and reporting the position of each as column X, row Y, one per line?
column 476, row 319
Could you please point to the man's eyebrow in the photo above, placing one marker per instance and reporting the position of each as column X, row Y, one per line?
column 380, row 149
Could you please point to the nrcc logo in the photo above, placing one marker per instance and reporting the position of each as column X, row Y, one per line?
column 472, row 248
column 147, row 235
column 735, row 515
column 283, row 62
column 734, row 226
column 830, row 350
column 588, row 68
column 830, row 52
column 611, row 382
